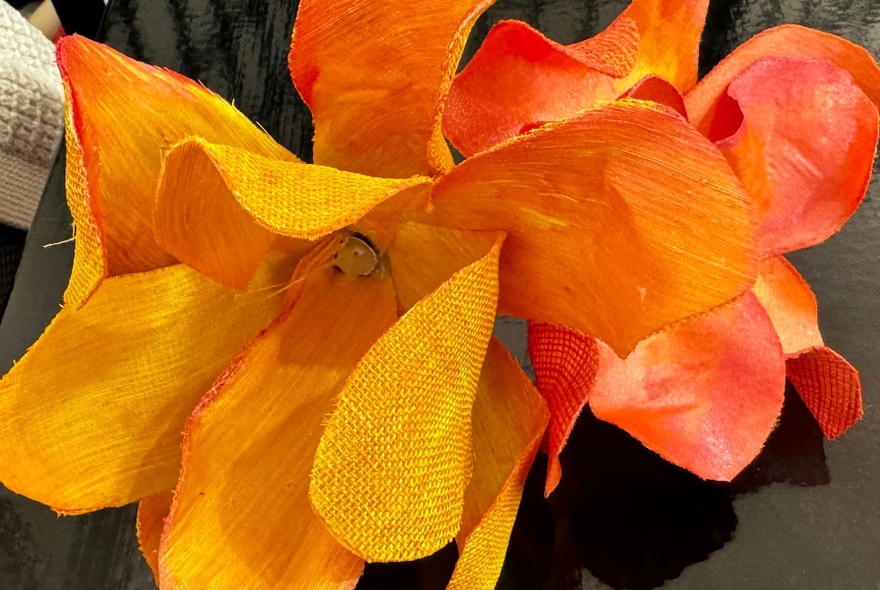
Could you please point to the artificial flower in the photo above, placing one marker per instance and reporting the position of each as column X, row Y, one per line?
column 794, row 111
column 302, row 352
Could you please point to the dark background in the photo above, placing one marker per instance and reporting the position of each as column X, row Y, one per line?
column 804, row 515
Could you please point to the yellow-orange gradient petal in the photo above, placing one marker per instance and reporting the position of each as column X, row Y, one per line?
column 669, row 40
column 704, row 394
column 395, row 459
column 91, row 416
column 801, row 135
column 519, row 79
column 790, row 303
column 620, row 221
column 151, row 514
column 792, row 41
column 241, row 518
column 219, row 207
column 565, row 365
column 829, row 386
column 508, row 420
column 123, row 115
column 377, row 107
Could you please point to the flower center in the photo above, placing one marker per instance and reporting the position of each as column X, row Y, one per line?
column 356, row 255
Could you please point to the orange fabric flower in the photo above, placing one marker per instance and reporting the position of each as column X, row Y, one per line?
column 302, row 352
column 794, row 112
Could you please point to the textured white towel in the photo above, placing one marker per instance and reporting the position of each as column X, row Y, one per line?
column 31, row 116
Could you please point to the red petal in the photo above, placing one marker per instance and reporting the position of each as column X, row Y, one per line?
column 804, row 148
column 829, row 386
column 786, row 41
column 518, row 79
column 704, row 394
column 658, row 90
column 565, row 366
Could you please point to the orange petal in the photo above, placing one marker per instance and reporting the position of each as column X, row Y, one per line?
column 658, row 90
column 423, row 257
column 792, row 41
column 151, row 514
column 669, row 40
column 395, row 458
column 91, row 416
column 790, row 303
column 829, row 386
column 704, row 394
column 121, row 115
column 605, row 237
column 518, row 79
column 804, row 147
column 509, row 420
column 219, row 207
column 377, row 109
column 565, row 365
column 242, row 499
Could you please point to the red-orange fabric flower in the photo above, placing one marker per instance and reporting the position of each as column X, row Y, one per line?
column 794, row 113
column 302, row 352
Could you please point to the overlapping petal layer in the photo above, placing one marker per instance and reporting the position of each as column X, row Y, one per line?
column 395, row 458
column 219, row 207
column 241, row 516
column 827, row 383
column 669, row 40
column 565, row 364
column 91, row 416
column 801, row 135
column 116, row 139
column 151, row 514
column 519, row 79
column 703, row 394
column 791, row 41
column 509, row 418
column 377, row 108
column 604, row 237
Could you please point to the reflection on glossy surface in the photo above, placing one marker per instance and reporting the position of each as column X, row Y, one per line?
column 622, row 518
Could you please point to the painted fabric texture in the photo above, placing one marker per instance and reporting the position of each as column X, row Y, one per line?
column 794, row 112
column 250, row 341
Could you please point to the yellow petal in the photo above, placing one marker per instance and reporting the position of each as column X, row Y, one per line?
column 791, row 305
column 121, row 115
column 218, row 207
column 151, row 514
column 621, row 221
column 509, row 421
column 91, row 416
column 395, row 458
column 241, row 517
column 377, row 107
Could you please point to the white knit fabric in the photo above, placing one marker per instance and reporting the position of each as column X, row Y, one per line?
column 31, row 116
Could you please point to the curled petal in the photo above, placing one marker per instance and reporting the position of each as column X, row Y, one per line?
column 395, row 458
column 658, row 90
column 249, row 447
column 91, row 416
column 509, row 420
column 151, row 514
column 830, row 387
column 566, row 364
column 790, row 303
column 219, row 207
column 801, row 136
column 604, row 234
column 793, row 41
column 669, row 40
column 519, row 79
column 703, row 394
column 120, row 116
column 377, row 109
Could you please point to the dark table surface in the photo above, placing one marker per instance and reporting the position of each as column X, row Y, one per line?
column 805, row 515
